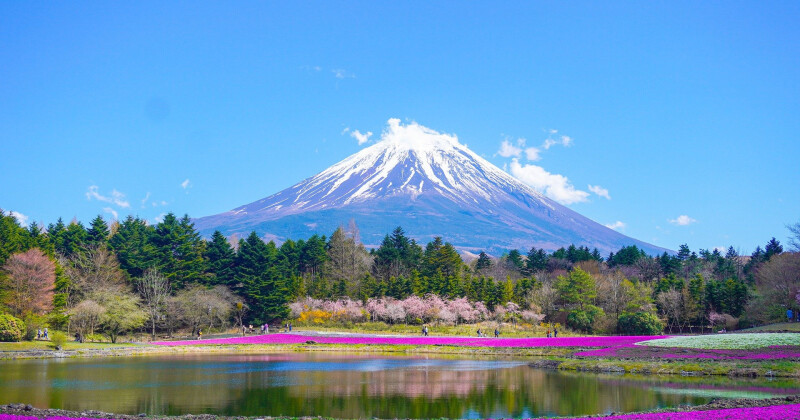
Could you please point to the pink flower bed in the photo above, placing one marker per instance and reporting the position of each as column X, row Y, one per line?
column 774, row 412
column 424, row 341
column 631, row 350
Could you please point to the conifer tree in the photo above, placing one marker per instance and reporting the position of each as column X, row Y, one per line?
column 221, row 261
column 98, row 232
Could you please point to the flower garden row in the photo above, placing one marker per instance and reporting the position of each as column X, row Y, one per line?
column 774, row 412
column 611, row 346
column 422, row 341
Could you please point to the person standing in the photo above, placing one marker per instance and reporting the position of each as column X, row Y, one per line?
column 555, row 332
column 46, row 335
column 496, row 333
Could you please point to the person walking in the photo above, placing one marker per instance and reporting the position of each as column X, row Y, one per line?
column 46, row 335
column 290, row 327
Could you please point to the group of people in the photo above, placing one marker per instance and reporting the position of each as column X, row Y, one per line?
column 42, row 335
column 553, row 334
column 483, row 334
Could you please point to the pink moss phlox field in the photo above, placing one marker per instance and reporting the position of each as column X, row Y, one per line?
column 774, row 412
column 423, row 341
column 632, row 350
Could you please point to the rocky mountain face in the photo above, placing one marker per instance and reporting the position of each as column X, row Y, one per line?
column 431, row 185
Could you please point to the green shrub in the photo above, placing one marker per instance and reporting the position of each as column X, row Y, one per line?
column 33, row 323
column 639, row 323
column 584, row 319
column 11, row 329
column 58, row 339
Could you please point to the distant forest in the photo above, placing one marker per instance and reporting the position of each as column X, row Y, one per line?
column 132, row 275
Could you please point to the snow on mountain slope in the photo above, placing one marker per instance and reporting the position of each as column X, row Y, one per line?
column 431, row 185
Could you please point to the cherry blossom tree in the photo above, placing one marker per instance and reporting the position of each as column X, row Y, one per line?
column 31, row 281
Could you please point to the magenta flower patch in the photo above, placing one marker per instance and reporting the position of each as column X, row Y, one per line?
column 424, row 341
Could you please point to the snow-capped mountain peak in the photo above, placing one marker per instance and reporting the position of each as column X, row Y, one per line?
column 429, row 183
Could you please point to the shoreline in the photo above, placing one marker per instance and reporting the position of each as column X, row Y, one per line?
column 28, row 411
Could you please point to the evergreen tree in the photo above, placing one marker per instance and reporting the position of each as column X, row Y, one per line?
column 441, row 257
column 514, row 259
column 74, row 239
column 483, row 262
column 397, row 255
column 98, row 232
column 773, row 247
column 577, row 287
column 259, row 273
column 179, row 251
column 221, row 261
column 131, row 244
column 537, row 261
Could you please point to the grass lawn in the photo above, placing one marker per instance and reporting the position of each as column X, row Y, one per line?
column 728, row 341
column 70, row 345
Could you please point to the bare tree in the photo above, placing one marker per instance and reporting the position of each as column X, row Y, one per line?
column 239, row 311
column 95, row 270
column 546, row 296
column 85, row 317
column 154, row 290
column 794, row 240
column 671, row 304
column 201, row 307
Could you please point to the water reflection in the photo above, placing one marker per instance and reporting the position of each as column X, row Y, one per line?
column 350, row 386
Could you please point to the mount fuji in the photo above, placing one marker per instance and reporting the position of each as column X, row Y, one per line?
column 431, row 185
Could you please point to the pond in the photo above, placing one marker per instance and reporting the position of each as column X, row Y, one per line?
column 351, row 386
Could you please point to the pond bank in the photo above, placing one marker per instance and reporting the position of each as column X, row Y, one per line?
column 783, row 408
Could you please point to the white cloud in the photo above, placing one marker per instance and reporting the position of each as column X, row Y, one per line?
column 565, row 141
column 361, row 137
column 616, row 225
column 532, row 154
column 112, row 212
column 600, row 191
column 346, row 129
column 555, row 186
column 682, row 220
column 146, row 197
column 342, row 74
column 186, row 184
column 21, row 218
column 507, row 149
column 117, row 197
column 160, row 218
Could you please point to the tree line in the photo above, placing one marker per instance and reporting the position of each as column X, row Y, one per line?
column 132, row 275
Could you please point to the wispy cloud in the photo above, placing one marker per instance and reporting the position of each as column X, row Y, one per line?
column 112, row 212
column 600, row 191
column 554, row 186
column 186, row 184
column 361, row 137
column 549, row 142
column 682, row 220
column 342, row 74
column 618, row 225
column 146, row 197
column 116, row 197
column 21, row 218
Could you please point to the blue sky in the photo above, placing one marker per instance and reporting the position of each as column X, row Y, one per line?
column 675, row 108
